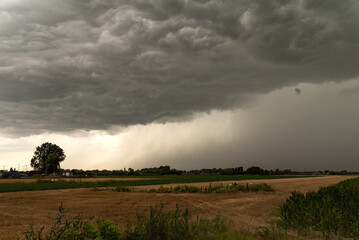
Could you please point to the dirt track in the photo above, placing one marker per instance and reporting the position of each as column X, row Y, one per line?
column 247, row 210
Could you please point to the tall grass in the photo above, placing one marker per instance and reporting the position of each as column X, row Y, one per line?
column 152, row 224
column 333, row 210
column 174, row 225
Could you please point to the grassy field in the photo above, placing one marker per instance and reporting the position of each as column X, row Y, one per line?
column 48, row 184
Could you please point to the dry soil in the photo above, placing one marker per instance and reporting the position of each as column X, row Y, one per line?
column 246, row 210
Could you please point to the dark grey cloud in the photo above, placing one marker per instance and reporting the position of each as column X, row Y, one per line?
column 67, row 65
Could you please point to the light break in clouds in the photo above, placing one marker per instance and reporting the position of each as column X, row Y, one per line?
column 315, row 130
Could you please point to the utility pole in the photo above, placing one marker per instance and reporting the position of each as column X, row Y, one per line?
column 3, row 166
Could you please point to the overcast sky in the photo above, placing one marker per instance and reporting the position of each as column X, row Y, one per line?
column 191, row 84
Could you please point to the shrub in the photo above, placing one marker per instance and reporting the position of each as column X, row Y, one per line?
column 333, row 210
column 90, row 231
column 260, row 187
column 75, row 229
column 109, row 231
column 123, row 189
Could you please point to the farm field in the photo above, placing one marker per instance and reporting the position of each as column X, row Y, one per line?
column 16, row 185
column 30, row 180
column 246, row 210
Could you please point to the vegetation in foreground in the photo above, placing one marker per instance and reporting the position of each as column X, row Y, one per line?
column 154, row 224
column 333, row 211
column 153, row 180
column 232, row 188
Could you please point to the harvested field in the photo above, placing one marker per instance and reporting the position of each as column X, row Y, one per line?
column 247, row 210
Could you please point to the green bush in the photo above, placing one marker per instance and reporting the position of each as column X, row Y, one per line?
column 71, row 234
column 333, row 211
column 75, row 229
column 259, row 187
column 109, row 231
column 90, row 231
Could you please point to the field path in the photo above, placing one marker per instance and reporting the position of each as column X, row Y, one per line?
column 247, row 210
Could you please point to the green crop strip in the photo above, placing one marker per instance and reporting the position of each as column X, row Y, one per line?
column 153, row 180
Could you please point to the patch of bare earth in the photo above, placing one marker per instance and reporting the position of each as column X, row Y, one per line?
column 246, row 210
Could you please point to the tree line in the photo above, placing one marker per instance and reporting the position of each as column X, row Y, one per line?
column 47, row 158
column 167, row 170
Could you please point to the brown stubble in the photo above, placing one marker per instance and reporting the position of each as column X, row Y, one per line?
column 245, row 210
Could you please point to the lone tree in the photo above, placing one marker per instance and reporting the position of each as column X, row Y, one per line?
column 47, row 158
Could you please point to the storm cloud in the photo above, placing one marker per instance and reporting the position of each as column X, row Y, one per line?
column 91, row 65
